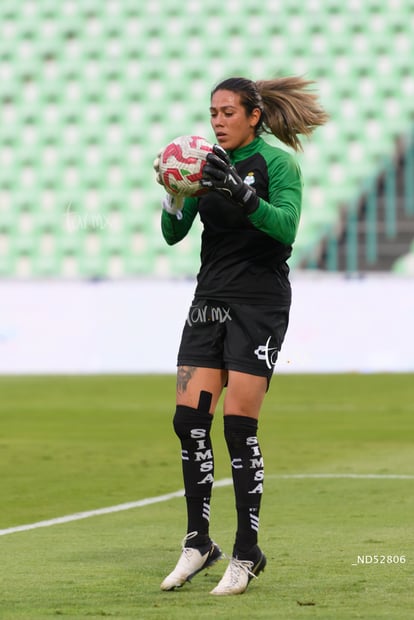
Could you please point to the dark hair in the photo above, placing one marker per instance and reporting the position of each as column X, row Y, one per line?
column 288, row 109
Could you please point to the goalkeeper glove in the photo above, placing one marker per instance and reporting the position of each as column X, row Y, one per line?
column 220, row 175
column 156, row 166
column 173, row 205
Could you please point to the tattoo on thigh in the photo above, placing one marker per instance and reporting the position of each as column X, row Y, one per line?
column 184, row 375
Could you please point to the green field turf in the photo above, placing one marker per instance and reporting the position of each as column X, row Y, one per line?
column 72, row 444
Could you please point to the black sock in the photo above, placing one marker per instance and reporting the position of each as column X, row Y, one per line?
column 192, row 426
column 247, row 470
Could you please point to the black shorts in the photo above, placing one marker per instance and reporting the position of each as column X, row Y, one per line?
column 233, row 336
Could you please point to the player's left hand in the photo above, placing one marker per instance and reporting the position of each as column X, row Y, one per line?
column 156, row 166
column 220, row 175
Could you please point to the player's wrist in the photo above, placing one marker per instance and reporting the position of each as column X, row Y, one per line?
column 173, row 205
column 247, row 198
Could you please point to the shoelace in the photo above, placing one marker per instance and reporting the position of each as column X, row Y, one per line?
column 188, row 537
column 187, row 550
column 236, row 566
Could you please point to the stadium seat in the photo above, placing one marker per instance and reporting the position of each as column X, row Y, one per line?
column 90, row 92
column 405, row 264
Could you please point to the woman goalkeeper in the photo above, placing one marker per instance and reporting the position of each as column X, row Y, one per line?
column 238, row 319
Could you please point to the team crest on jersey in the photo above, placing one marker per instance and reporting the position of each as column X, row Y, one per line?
column 250, row 180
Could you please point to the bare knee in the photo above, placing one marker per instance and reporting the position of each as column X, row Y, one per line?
column 199, row 388
column 245, row 394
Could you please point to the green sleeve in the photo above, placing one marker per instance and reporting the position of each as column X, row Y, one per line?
column 279, row 218
column 174, row 230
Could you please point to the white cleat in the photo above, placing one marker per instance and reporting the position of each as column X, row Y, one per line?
column 192, row 561
column 238, row 575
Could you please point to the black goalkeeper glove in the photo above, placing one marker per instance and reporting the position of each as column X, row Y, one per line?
column 220, row 175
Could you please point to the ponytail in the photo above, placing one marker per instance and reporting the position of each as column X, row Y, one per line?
column 289, row 109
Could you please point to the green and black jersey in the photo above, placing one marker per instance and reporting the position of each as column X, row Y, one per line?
column 243, row 257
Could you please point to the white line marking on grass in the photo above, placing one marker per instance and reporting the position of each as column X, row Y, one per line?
column 92, row 513
column 104, row 511
column 165, row 498
column 343, row 476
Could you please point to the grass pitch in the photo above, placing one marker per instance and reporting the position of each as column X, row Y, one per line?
column 338, row 547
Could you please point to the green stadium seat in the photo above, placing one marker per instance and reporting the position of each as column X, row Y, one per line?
column 405, row 264
column 90, row 92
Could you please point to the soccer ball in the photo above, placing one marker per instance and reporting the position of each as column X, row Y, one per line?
column 181, row 165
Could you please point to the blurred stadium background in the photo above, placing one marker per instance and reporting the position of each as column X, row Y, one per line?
column 91, row 90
